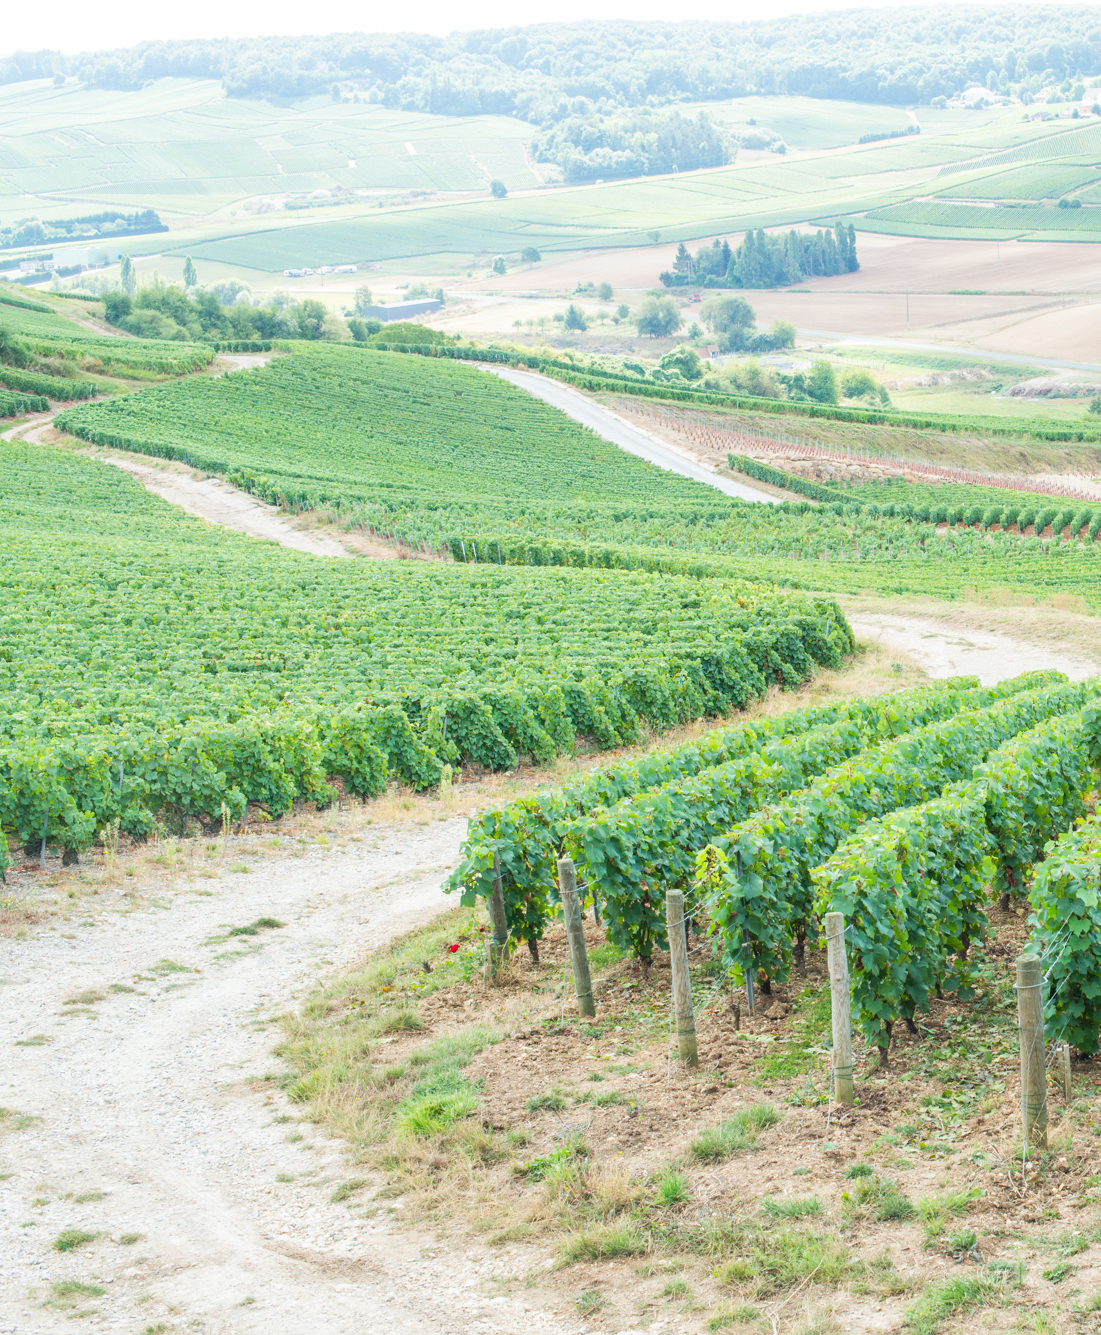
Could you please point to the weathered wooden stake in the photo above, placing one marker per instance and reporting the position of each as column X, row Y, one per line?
column 498, row 920
column 682, row 979
column 842, row 1010
column 582, row 984
column 749, row 970
column 1064, row 1071
column 1030, row 1012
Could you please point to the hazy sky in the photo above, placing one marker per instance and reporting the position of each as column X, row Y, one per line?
column 71, row 26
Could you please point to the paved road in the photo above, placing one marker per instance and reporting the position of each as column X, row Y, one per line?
column 621, row 433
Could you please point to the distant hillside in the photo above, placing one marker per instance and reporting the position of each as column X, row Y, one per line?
column 549, row 72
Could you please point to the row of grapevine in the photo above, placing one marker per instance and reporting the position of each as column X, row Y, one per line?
column 633, row 830
column 768, row 895
column 47, row 386
column 913, row 885
column 65, row 792
column 14, row 404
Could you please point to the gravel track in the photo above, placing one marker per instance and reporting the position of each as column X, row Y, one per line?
column 143, row 1096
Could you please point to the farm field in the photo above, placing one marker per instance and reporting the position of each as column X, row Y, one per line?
column 182, row 146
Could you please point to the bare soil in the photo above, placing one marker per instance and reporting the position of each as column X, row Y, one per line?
column 943, row 1118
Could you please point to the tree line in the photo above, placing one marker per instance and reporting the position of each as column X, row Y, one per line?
column 554, row 71
column 764, row 260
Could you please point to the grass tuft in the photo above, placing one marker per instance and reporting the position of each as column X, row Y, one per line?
column 734, row 1136
column 961, row 1293
column 672, row 1189
column 773, row 1262
column 69, row 1239
column 552, row 1102
column 605, row 1244
column 792, row 1207
column 347, row 1189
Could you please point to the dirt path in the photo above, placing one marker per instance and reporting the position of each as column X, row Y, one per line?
column 211, row 498
column 143, row 1096
column 945, row 649
column 206, row 497
column 626, row 434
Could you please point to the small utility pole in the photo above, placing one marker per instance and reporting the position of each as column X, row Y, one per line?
column 582, row 984
column 682, row 979
column 841, row 1004
column 1030, row 1012
column 498, row 920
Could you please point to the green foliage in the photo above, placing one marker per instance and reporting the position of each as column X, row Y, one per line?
column 589, row 146
column 629, row 818
column 1066, row 919
column 657, row 317
column 912, row 885
column 769, row 898
column 182, row 659
column 46, row 386
column 822, row 382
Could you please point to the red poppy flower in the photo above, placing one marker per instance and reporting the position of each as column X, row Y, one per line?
column 452, row 949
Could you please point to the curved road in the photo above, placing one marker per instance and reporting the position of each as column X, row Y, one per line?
column 621, row 433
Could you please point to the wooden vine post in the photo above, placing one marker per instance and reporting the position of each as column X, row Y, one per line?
column 1030, row 1012
column 1065, row 1077
column 682, row 979
column 571, row 909
column 841, row 1006
column 499, row 941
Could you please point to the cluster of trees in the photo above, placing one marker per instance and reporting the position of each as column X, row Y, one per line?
column 554, row 71
column 762, row 260
column 110, row 223
column 168, row 312
column 734, row 320
column 640, row 143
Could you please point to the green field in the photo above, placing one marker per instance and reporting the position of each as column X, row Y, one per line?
column 182, row 146
column 1032, row 182
column 963, row 219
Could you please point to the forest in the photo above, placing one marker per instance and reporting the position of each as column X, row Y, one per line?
column 550, row 72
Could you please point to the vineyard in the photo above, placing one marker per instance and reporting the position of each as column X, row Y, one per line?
column 906, row 815
column 116, row 706
column 437, row 456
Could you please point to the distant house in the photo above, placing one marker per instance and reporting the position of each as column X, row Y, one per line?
column 402, row 310
column 708, row 353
